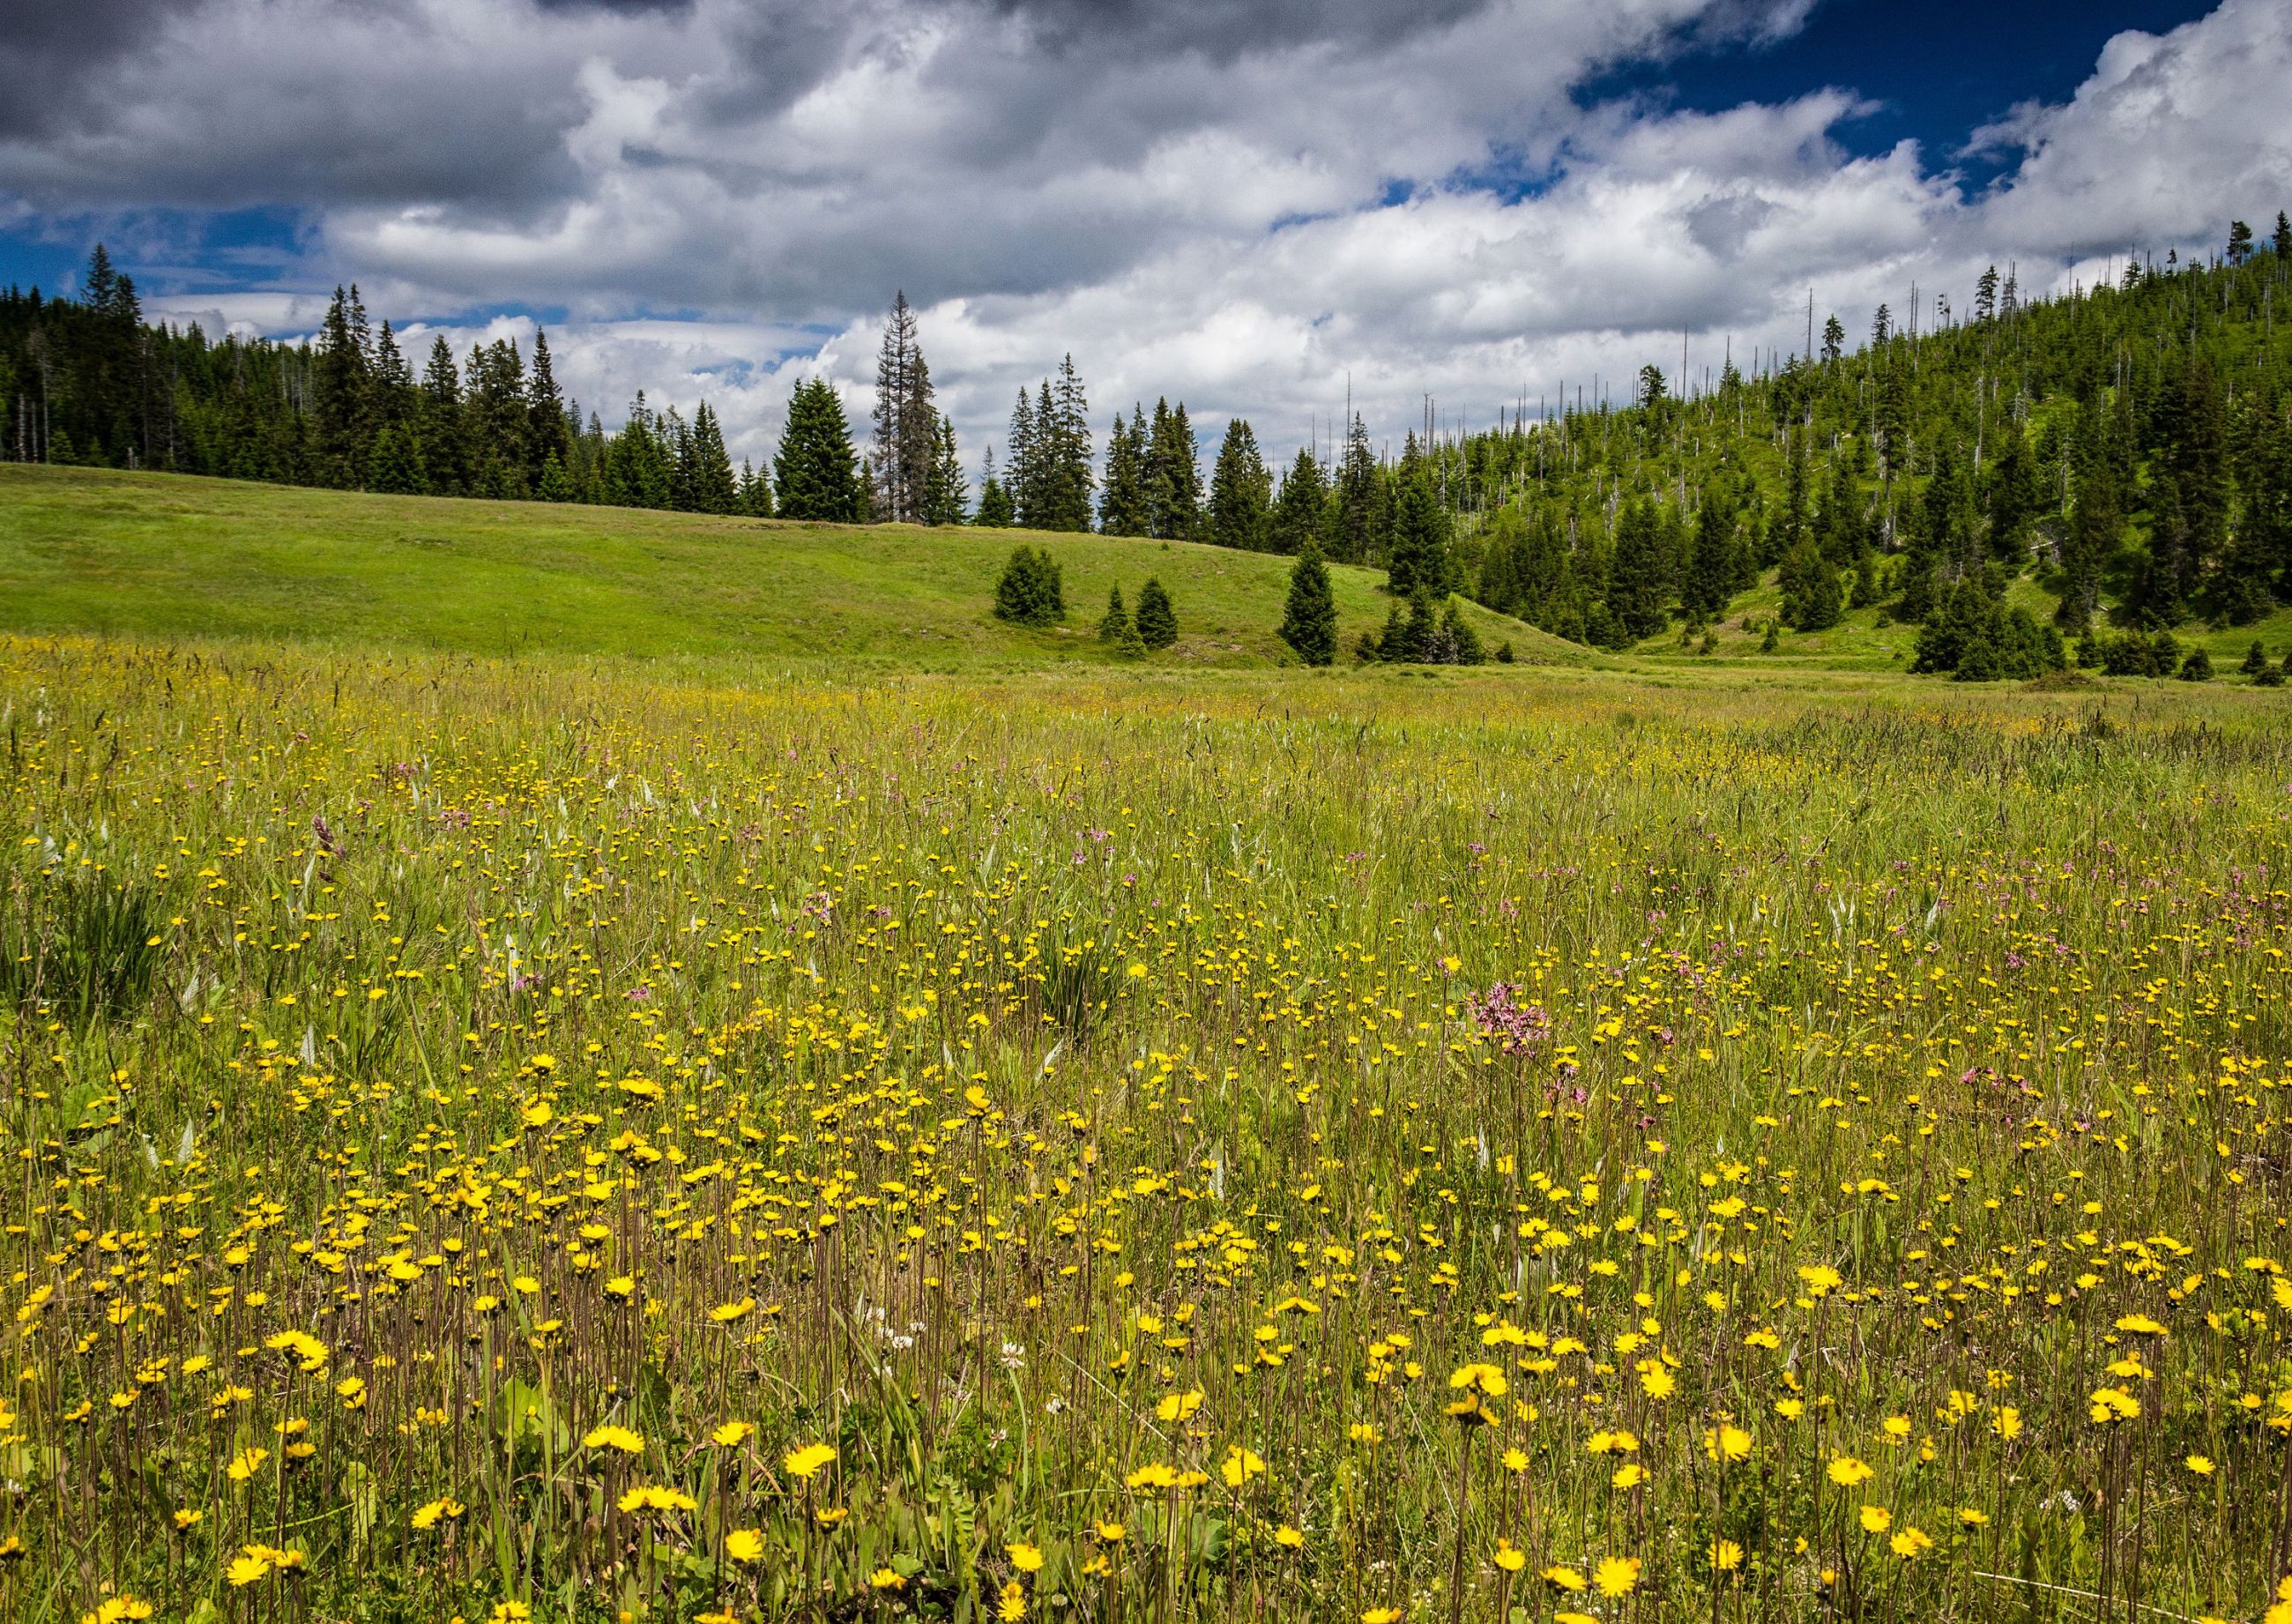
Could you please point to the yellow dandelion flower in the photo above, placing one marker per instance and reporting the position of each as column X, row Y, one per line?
column 807, row 1461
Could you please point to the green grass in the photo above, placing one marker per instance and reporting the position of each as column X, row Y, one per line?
column 1864, row 641
column 166, row 556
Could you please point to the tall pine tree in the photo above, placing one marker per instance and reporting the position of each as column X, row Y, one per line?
column 814, row 473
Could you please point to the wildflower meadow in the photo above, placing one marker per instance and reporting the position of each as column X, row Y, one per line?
column 591, row 1142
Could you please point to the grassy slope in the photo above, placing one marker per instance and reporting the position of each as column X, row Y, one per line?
column 162, row 555
column 1858, row 642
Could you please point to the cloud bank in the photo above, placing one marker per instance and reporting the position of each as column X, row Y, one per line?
column 1256, row 209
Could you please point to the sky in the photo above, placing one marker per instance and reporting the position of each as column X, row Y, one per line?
column 1263, row 210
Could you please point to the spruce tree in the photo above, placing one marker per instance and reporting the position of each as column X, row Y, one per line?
column 1157, row 620
column 1712, row 565
column 1309, row 620
column 994, row 509
column 755, row 491
column 1030, row 591
column 1459, row 643
column 814, row 474
column 1063, row 424
column 1174, row 477
column 395, row 466
column 1812, row 599
column 547, row 433
column 339, row 407
column 1639, row 581
column 907, row 422
column 1420, row 531
column 1301, row 509
column 1024, row 477
column 1240, row 490
column 947, row 497
column 714, row 489
column 438, row 414
column 1123, row 508
column 555, row 484
column 1363, row 511
column 1113, row 625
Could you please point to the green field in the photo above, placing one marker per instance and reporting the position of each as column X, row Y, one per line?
column 538, row 1095
column 167, row 556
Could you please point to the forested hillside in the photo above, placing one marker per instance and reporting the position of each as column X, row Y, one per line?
column 2126, row 449
column 2123, row 452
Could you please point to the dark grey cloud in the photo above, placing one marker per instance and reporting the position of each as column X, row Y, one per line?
column 45, row 49
column 1219, row 31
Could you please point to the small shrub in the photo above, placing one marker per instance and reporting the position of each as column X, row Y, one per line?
column 1030, row 593
column 1157, row 620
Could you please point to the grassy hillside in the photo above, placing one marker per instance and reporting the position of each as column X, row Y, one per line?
column 1870, row 639
column 164, row 555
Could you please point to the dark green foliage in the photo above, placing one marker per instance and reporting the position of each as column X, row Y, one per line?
column 1123, row 508
column 1030, row 592
column 396, row 465
column 1503, row 652
column 1974, row 636
column 1714, row 564
column 1157, row 620
column 1813, row 598
column 1309, row 620
column 1640, row 579
column 1364, row 518
column 1115, row 624
column 1454, row 643
column 1241, row 491
column 994, row 509
column 707, row 470
column 1172, row 480
column 946, row 493
column 814, row 474
column 2139, row 654
column 1419, row 559
column 1300, row 509
column 1527, row 573
column 1424, row 635
column 555, row 484
column 2197, row 667
column 755, row 491
column 2256, row 660
column 1048, row 474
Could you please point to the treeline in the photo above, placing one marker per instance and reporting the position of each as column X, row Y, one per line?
column 89, row 380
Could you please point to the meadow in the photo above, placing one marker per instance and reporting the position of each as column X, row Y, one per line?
column 164, row 556
column 569, row 1138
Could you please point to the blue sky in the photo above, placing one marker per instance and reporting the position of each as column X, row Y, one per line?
column 1255, row 207
column 1936, row 73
